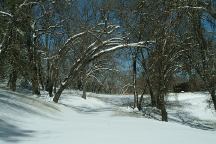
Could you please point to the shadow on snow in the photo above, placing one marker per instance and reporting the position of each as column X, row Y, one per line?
column 12, row 133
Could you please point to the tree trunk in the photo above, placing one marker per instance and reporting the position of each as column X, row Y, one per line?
column 213, row 96
column 55, row 86
column 148, row 82
column 153, row 98
column 141, row 100
column 84, row 90
column 65, row 83
column 56, row 79
column 49, row 84
column 50, row 88
column 40, row 74
column 79, row 83
column 161, row 104
column 164, row 114
column 59, row 92
column 33, row 60
column 35, row 82
column 12, row 80
column 134, row 80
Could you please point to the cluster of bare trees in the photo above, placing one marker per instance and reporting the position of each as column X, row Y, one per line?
column 54, row 45
column 182, row 44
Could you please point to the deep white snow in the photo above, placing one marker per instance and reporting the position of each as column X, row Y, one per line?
column 101, row 119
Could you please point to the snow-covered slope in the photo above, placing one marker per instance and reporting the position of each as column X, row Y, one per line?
column 26, row 119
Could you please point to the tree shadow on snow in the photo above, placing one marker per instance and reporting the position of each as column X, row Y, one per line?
column 15, row 104
column 24, row 104
column 177, row 114
column 187, row 118
column 12, row 133
column 115, row 101
column 87, row 110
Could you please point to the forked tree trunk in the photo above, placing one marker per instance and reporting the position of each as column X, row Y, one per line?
column 148, row 82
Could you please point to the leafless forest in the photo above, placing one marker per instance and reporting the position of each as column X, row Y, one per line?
column 109, row 46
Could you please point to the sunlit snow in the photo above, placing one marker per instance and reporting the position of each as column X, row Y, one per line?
column 101, row 119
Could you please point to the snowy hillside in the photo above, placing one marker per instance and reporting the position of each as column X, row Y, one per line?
column 102, row 119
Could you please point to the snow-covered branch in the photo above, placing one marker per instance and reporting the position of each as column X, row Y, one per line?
column 206, row 7
column 101, row 69
column 112, row 28
column 142, row 44
column 65, row 48
column 0, row 48
column 69, row 40
column 49, row 28
column 26, row 3
column 192, row 7
column 6, row 14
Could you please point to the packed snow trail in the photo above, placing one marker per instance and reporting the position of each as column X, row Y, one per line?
column 27, row 119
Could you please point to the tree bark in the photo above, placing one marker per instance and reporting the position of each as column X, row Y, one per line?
column 49, row 87
column 48, row 77
column 134, row 57
column 59, row 92
column 84, row 90
column 40, row 73
column 148, row 82
column 12, row 80
column 141, row 100
column 153, row 98
column 162, row 107
column 213, row 96
column 35, row 81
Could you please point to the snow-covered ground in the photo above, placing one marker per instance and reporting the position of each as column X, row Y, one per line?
column 102, row 119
